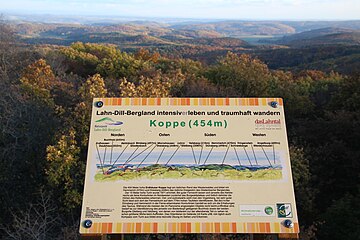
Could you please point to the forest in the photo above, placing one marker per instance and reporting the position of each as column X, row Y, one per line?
column 46, row 98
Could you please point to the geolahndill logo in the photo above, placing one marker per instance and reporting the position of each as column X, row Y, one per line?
column 109, row 121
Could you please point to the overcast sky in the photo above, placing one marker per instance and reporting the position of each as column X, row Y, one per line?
column 217, row 9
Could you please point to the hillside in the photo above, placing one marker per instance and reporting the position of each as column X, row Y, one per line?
column 46, row 101
column 322, row 36
column 345, row 38
column 303, row 26
column 238, row 29
column 226, row 42
column 293, row 45
column 312, row 34
column 339, row 58
column 241, row 28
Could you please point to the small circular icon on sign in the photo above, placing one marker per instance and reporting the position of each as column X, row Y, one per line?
column 87, row 224
column 274, row 104
column 99, row 104
column 269, row 210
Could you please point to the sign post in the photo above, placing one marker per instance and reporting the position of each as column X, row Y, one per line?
column 188, row 165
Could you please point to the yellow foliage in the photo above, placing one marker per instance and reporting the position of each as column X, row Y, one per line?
column 38, row 75
column 145, row 55
column 158, row 86
column 93, row 87
column 65, row 168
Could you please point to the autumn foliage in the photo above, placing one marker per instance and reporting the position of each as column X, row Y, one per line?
column 43, row 144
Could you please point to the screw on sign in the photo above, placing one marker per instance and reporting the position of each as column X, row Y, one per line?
column 274, row 104
column 288, row 223
column 87, row 224
column 99, row 104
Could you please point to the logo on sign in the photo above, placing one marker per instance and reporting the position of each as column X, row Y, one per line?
column 269, row 210
column 284, row 210
column 109, row 121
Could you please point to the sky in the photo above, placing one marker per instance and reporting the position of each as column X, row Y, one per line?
column 206, row 9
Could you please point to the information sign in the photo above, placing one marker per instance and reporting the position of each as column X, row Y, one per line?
column 188, row 165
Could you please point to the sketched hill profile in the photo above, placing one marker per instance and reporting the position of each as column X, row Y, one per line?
column 105, row 119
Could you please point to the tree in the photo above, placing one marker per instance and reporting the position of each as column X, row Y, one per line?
column 94, row 87
column 160, row 85
column 341, row 220
column 296, row 93
column 13, row 57
column 65, row 170
column 79, row 60
column 122, row 65
column 200, row 87
column 37, row 81
column 302, row 179
column 145, row 55
column 6, row 48
column 37, row 222
column 249, row 77
column 27, row 127
column 38, row 75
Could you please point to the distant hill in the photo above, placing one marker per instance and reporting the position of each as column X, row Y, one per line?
column 247, row 30
column 303, row 26
column 312, row 34
column 340, row 58
column 225, row 28
column 349, row 64
column 127, row 36
column 290, row 45
column 240, row 28
column 226, row 42
column 322, row 36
